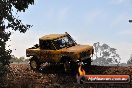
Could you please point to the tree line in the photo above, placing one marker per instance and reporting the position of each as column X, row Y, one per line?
column 18, row 60
column 106, row 55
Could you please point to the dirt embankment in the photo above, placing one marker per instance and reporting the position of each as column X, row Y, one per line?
column 21, row 76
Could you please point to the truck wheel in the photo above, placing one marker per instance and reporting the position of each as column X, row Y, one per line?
column 67, row 66
column 70, row 66
column 34, row 64
column 74, row 68
column 88, row 62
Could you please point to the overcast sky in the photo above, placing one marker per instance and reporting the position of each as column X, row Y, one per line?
column 88, row 21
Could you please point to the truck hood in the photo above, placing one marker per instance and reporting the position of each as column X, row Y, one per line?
column 78, row 48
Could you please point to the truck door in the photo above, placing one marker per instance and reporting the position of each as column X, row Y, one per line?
column 48, row 51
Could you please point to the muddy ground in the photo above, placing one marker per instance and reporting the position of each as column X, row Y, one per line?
column 21, row 76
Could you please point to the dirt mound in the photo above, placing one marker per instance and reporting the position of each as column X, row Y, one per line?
column 21, row 76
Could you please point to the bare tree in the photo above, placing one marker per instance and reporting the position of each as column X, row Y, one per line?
column 96, row 48
column 108, row 55
column 129, row 62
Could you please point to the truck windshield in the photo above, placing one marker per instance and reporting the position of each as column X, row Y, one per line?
column 64, row 42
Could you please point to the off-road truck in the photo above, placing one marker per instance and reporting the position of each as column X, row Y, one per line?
column 59, row 49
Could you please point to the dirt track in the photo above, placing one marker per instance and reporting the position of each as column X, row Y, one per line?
column 21, row 76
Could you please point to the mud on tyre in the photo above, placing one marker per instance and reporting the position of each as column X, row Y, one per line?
column 34, row 64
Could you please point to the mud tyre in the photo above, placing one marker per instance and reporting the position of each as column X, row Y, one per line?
column 67, row 66
column 34, row 64
column 87, row 64
column 70, row 67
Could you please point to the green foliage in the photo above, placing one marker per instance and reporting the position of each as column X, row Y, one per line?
column 9, row 21
column 6, row 14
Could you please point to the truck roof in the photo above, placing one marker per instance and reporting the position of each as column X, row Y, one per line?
column 52, row 36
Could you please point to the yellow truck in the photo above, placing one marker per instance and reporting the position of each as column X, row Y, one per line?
column 59, row 49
